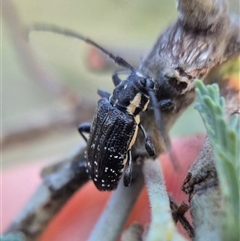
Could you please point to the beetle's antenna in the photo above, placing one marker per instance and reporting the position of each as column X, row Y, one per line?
column 160, row 125
column 54, row 29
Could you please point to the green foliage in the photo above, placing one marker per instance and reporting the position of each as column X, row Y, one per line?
column 225, row 138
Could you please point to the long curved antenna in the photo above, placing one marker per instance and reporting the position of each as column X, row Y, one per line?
column 54, row 29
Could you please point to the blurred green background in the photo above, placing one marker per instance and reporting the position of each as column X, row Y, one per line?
column 117, row 25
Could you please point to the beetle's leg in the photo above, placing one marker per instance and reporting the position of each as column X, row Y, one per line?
column 128, row 170
column 103, row 93
column 163, row 105
column 85, row 127
column 116, row 80
column 148, row 144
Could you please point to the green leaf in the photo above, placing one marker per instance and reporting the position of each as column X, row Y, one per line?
column 225, row 138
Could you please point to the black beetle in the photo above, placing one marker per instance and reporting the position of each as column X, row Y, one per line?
column 116, row 122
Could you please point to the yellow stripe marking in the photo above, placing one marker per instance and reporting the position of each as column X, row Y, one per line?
column 134, row 104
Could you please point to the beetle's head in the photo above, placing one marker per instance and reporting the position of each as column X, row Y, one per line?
column 132, row 94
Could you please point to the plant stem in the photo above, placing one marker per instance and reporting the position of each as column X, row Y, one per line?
column 162, row 224
column 112, row 220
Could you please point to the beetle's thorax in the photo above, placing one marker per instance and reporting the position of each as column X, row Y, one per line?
column 130, row 95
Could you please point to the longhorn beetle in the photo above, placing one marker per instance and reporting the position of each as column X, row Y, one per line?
column 116, row 122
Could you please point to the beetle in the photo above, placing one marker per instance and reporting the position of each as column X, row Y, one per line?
column 114, row 130
column 116, row 121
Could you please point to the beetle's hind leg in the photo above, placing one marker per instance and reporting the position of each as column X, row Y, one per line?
column 85, row 127
column 148, row 144
column 128, row 170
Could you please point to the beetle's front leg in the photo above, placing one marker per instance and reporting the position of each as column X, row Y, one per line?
column 116, row 80
column 148, row 144
column 103, row 93
column 128, row 170
column 85, row 127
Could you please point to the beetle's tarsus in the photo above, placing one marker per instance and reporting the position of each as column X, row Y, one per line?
column 103, row 93
column 128, row 170
column 116, row 80
column 148, row 144
column 149, row 147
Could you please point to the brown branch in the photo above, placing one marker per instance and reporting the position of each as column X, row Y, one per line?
column 201, row 185
column 60, row 182
column 203, row 16
column 233, row 47
column 178, row 215
column 181, row 55
column 44, row 124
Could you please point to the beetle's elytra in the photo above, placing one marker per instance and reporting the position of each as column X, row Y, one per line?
column 116, row 122
column 114, row 131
